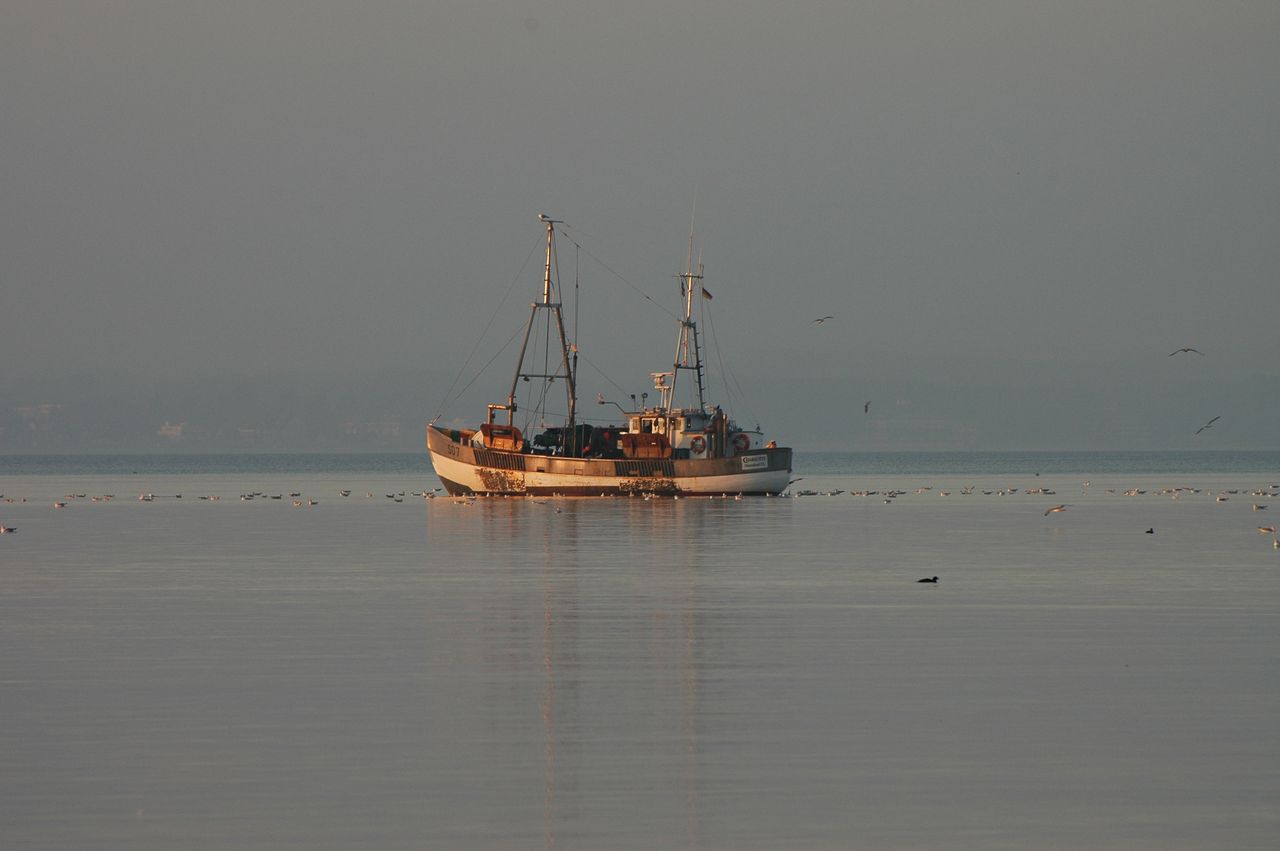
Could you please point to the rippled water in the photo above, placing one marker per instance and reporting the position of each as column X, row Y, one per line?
column 764, row 673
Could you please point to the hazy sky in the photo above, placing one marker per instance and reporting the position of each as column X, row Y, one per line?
column 1014, row 210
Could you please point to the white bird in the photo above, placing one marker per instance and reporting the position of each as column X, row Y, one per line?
column 1054, row 510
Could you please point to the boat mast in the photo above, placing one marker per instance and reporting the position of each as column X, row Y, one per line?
column 688, row 350
column 549, row 293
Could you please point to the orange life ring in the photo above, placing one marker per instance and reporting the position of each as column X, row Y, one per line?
column 741, row 442
column 697, row 445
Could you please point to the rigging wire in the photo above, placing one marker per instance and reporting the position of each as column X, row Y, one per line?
column 546, row 367
column 610, row 270
column 449, row 398
column 563, row 353
column 531, row 407
column 487, row 364
column 726, row 376
column 604, row 375
column 577, row 310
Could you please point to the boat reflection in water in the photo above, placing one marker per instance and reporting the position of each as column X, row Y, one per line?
column 606, row 653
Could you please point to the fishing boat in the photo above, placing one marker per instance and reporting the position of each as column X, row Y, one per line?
column 666, row 449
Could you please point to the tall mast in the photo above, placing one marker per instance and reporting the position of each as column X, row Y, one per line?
column 550, row 295
column 688, row 350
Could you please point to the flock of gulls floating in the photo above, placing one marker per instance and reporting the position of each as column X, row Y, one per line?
column 888, row 497
column 295, row 498
column 1268, row 492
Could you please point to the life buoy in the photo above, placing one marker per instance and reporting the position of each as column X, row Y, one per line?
column 741, row 442
column 697, row 445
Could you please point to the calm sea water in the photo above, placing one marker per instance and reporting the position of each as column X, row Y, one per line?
column 764, row 673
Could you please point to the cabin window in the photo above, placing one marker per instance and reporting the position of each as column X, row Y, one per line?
column 646, row 426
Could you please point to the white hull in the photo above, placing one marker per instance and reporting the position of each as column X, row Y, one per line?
column 462, row 469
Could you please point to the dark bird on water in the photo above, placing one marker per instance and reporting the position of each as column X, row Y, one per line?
column 866, row 408
column 933, row 581
column 1151, row 531
column 1186, row 349
column 1208, row 424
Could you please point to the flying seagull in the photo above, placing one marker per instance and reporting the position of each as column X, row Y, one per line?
column 822, row 319
column 1208, row 424
column 1054, row 510
column 1186, row 349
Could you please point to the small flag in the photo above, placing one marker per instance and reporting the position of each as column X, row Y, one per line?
column 706, row 294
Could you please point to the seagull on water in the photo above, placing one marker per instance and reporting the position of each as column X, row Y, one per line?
column 1186, row 349
column 1054, row 510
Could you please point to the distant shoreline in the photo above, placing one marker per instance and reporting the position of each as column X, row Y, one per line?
column 1262, row 462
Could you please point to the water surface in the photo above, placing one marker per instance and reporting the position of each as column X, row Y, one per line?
column 625, row 673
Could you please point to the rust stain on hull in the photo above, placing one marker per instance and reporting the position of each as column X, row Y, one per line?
column 639, row 486
column 500, row 481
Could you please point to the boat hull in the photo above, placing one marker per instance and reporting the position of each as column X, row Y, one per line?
column 466, row 469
